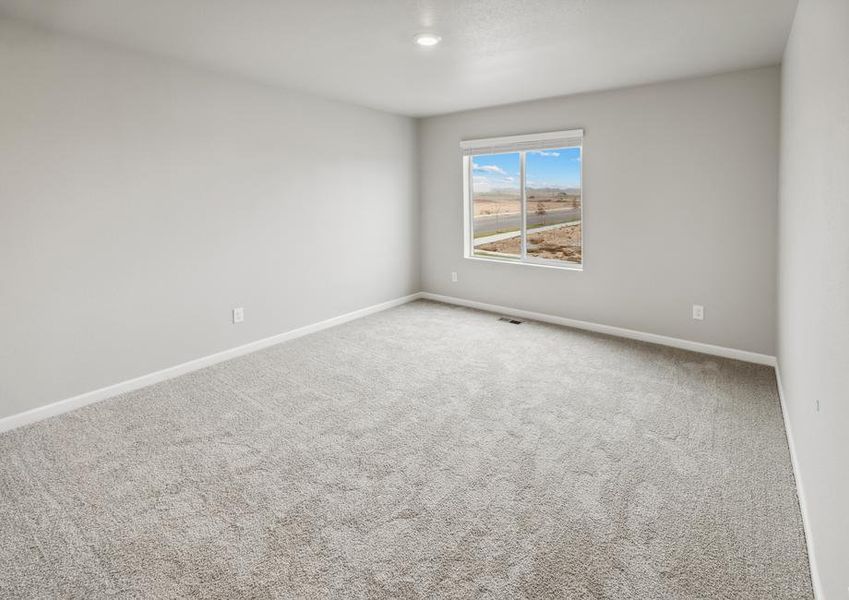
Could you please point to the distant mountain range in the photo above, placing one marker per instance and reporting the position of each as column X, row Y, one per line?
column 548, row 191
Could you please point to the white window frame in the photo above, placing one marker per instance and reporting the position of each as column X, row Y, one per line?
column 510, row 145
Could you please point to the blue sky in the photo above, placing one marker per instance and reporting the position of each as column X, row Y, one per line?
column 557, row 168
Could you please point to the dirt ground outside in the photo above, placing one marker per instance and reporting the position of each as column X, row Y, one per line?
column 561, row 243
column 503, row 207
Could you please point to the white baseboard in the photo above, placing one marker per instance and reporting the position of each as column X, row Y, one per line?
column 69, row 404
column 743, row 355
column 800, row 491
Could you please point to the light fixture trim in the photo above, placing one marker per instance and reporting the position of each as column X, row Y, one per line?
column 427, row 39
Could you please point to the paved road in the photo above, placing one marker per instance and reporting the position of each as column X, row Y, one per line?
column 491, row 223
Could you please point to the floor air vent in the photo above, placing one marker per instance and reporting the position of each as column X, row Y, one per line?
column 510, row 320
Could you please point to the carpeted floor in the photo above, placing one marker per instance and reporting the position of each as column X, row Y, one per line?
column 424, row 452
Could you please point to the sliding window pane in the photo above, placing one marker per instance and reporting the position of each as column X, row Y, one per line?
column 497, row 204
column 553, row 192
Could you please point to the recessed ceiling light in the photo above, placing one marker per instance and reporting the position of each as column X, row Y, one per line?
column 428, row 39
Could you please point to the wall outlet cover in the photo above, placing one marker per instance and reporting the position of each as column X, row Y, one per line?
column 698, row 312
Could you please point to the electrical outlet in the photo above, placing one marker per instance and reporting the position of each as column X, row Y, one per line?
column 454, row 276
column 238, row 315
column 698, row 312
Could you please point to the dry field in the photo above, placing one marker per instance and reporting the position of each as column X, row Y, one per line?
column 493, row 205
column 485, row 207
column 561, row 243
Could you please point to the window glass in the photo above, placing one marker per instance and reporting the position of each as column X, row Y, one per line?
column 497, row 205
column 553, row 204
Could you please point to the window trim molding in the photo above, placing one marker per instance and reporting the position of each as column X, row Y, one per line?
column 516, row 143
column 467, row 153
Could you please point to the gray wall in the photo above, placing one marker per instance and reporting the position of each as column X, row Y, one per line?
column 141, row 200
column 680, row 208
column 813, row 318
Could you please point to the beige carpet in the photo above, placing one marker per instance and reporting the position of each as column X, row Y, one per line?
column 424, row 452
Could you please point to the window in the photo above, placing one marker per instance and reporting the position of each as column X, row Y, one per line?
column 523, row 198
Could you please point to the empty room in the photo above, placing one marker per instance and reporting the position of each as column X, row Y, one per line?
column 407, row 299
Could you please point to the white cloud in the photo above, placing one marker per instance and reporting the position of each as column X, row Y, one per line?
column 544, row 153
column 484, row 183
column 481, row 183
column 489, row 169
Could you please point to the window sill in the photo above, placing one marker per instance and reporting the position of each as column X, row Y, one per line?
column 578, row 268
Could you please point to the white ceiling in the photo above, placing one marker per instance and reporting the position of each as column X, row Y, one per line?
column 493, row 51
